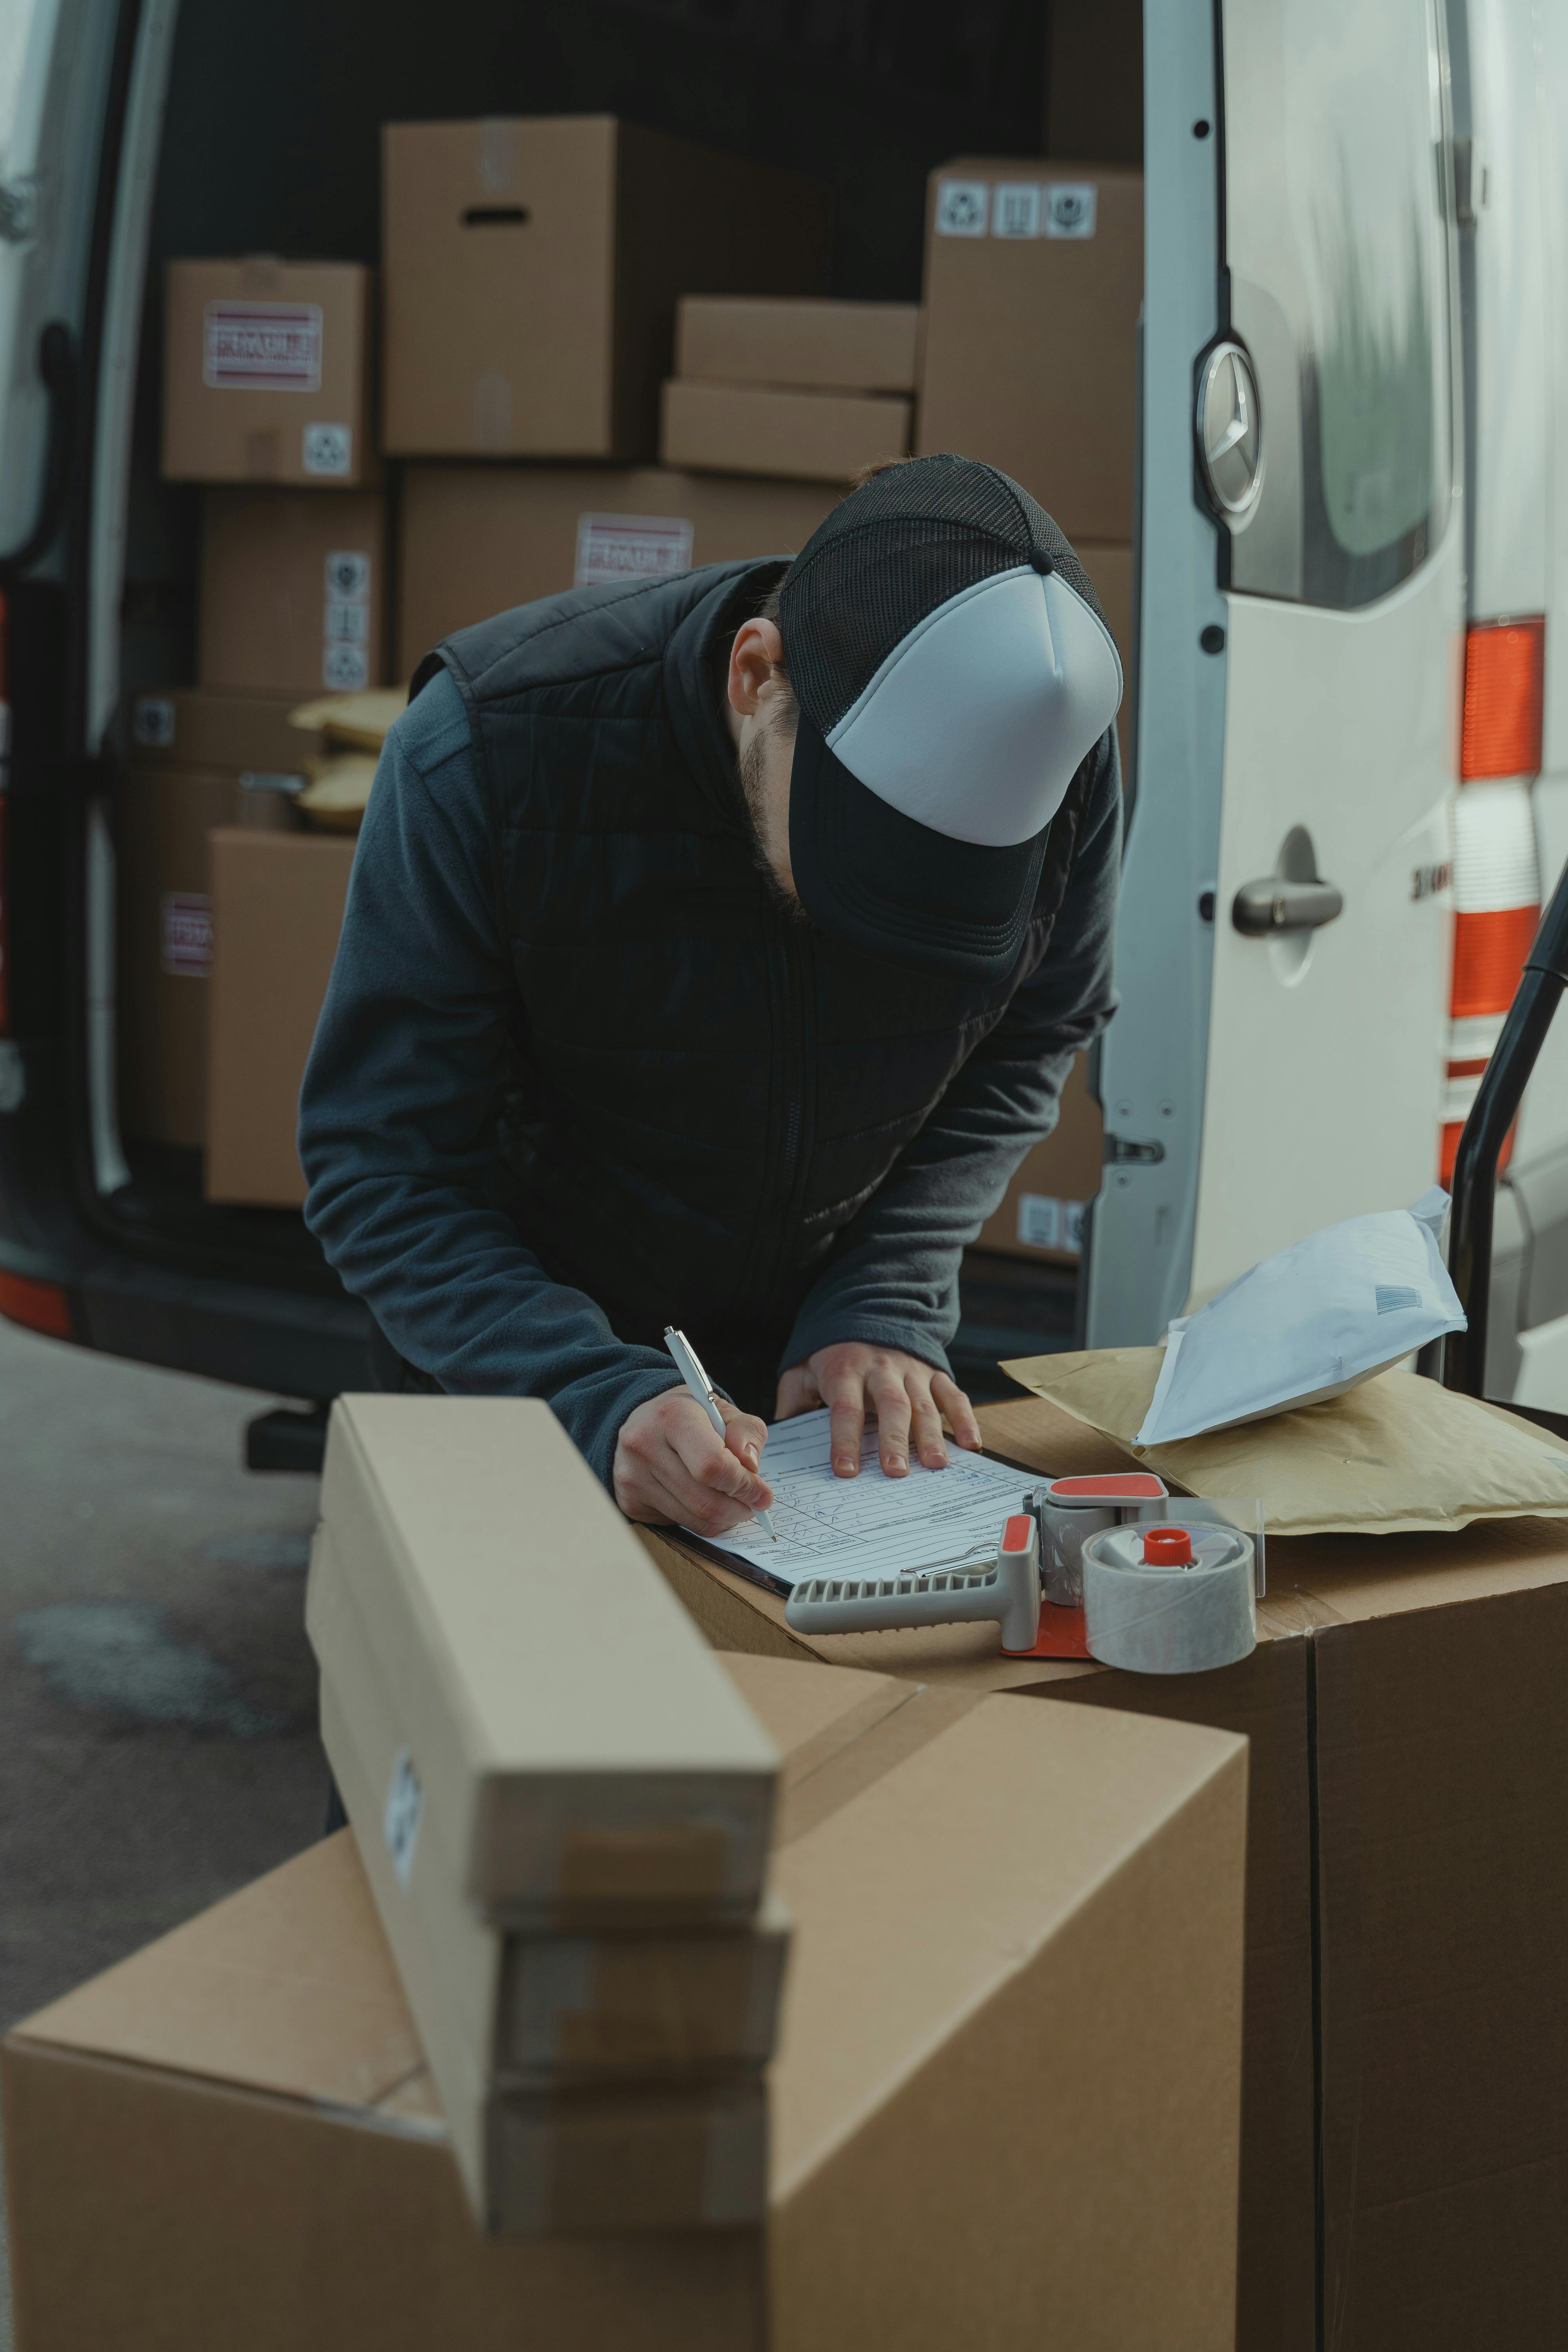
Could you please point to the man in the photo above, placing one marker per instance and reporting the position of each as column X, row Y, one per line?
column 715, row 949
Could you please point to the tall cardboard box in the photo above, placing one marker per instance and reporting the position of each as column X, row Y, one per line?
column 265, row 372
column 292, row 592
column 1005, row 2108
column 1034, row 281
column 277, row 909
column 830, row 346
column 478, row 540
column 531, row 268
column 1041, row 1214
column 748, row 428
column 163, row 937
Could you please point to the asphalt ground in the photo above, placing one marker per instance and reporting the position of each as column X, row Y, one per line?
column 157, row 1694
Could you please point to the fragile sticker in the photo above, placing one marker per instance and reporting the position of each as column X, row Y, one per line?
column 187, row 944
column 345, row 669
column 262, row 347
column 1016, row 208
column 328, row 449
column 348, row 577
column 962, row 208
column 152, row 722
column 405, row 1811
column 611, row 548
column 1070, row 208
column 1047, row 1223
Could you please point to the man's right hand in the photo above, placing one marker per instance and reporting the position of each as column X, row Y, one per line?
column 671, row 1465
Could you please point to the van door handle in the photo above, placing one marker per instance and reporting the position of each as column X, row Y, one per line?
column 1259, row 909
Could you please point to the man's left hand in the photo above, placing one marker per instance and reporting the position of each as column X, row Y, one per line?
column 908, row 1397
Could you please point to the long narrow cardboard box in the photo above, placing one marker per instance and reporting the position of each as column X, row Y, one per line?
column 586, row 1758
column 545, row 2010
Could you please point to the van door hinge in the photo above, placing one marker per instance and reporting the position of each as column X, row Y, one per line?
column 18, row 210
column 1121, row 1153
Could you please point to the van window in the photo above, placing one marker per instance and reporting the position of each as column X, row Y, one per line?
column 1336, row 245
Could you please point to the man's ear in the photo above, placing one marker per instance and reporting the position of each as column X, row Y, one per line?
column 755, row 656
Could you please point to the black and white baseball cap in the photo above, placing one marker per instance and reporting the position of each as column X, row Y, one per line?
column 953, row 668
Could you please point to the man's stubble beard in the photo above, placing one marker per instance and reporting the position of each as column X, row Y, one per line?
column 753, row 764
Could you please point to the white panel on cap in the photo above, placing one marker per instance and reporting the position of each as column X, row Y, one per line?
column 974, row 723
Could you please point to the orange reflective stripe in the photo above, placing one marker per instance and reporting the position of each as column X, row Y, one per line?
column 1489, row 957
column 1505, row 663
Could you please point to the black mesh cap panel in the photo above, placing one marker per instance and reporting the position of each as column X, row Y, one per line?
column 890, row 554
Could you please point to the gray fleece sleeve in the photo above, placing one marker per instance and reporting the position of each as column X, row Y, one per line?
column 892, row 1279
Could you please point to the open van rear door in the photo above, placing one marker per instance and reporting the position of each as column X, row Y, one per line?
column 1283, row 940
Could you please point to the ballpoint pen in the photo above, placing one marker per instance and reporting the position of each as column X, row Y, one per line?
column 701, row 1387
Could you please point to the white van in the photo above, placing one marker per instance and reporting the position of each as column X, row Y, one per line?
column 1350, row 255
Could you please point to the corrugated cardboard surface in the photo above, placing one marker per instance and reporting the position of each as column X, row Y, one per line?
column 1030, row 350
column 825, row 346
column 278, row 909
column 1065, row 1167
column 162, row 817
column 193, row 727
column 225, row 433
column 585, row 1756
column 1018, row 1980
column 532, row 268
column 1407, row 1687
column 479, row 539
column 814, row 437
column 272, row 615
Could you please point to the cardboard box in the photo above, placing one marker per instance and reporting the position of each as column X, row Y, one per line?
column 1041, row 1213
column 248, row 734
column 1016, row 1989
column 479, row 539
column 292, row 592
column 163, row 937
column 265, row 372
column 1403, row 1709
column 577, row 1779
column 277, row 908
column 812, row 436
column 814, row 346
column 1034, row 281
column 532, row 268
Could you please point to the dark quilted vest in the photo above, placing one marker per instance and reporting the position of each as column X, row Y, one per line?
column 706, row 1092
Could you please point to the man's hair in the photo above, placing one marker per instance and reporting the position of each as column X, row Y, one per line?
column 768, row 610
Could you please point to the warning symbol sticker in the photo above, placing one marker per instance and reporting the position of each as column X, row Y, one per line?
column 962, row 207
column 262, row 347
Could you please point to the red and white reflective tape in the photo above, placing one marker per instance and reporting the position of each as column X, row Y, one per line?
column 1497, row 911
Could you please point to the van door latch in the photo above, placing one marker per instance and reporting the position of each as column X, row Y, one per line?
column 18, row 210
column 1122, row 1153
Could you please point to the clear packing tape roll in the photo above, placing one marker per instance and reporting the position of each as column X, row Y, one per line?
column 1169, row 1597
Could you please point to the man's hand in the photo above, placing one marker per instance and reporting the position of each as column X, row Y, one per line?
column 908, row 1398
column 671, row 1466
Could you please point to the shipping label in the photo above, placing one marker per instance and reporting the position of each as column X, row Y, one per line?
column 962, row 208
column 405, row 1811
column 611, row 548
column 1050, row 1225
column 328, row 449
column 262, row 347
column 1070, row 208
column 186, row 946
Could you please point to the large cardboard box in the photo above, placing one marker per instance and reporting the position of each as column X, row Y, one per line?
column 748, row 428
column 1034, row 281
column 531, row 269
column 478, row 540
column 265, row 372
column 1041, row 1215
column 164, row 935
column 814, row 346
column 1407, row 1814
column 292, row 592
column 1003, row 2113
column 278, row 909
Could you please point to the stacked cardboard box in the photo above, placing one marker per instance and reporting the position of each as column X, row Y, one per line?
column 812, row 391
column 1004, row 2104
column 198, row 760
column 565, row 1812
